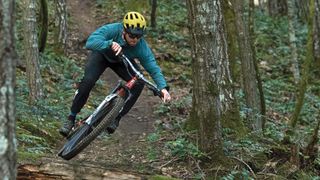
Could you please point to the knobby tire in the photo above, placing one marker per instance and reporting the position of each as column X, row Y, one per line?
column 107, row 114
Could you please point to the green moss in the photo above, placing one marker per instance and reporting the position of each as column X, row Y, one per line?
column 192, row 123
column 30, row 157
column 231, row 119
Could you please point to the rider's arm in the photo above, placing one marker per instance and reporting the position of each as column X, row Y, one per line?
column 149, row 63
column 103, row 37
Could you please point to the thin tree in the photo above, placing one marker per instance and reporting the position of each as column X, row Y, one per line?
column 277, row 7
column 248, row 70
column 8, row 60
column 293, row 39
column 302, row 8
column 261, row 6
column 153, row 13
column 316, row 34
column 255, row 61
column 305, row 69
column 295, row 157
column 212, row 92
column 43, row 25
column 60, row 37
column 31, row 51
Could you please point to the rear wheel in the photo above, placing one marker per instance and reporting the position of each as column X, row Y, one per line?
column 84, row 134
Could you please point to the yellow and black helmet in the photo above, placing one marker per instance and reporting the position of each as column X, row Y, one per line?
column 134, row 23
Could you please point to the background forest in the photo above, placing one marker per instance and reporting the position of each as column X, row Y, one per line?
column 244, row 77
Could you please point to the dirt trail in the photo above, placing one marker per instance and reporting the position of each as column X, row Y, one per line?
column 121, row 151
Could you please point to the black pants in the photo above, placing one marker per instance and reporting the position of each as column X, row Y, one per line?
column 96, row 65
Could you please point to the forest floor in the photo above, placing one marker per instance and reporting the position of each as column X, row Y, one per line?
column 119, row 156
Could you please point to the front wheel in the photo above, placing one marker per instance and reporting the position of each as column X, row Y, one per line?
column 84, row 134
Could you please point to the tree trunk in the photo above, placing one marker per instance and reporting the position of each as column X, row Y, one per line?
column 292, row 39
column 277, row 7
column 212, row 85
column 61, row 35
column 32, row 52
column 233, row 50
column 306, row 69
column 255, row 62
column 316, row 35
column 8, row 59
column 153, row 14
column 261, row 5
column 302, row 8
column 234, row 121
column 248, row 70
column 43, row 29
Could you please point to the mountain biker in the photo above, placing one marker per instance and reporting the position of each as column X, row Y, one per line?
column 105, row 44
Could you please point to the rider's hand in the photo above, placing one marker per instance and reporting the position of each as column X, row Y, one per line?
column 116, row 48
column 166, row 96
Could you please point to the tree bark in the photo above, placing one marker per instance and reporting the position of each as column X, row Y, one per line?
column 302, row 8
column 255, row 61
column 305, row 70
column 43, row 29
column 292, row 39
column 212, row 84
column 277, row 7
column 8, row 59
column 316, row 34
column 248, row 70
column 32, row 52
column 61, row 26
column 153, row 14
column 261, row 5
column 232, row 118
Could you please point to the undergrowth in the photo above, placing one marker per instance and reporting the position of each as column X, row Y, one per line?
column 255, row 155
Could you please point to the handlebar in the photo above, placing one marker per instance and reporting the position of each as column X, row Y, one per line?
column 139, row 75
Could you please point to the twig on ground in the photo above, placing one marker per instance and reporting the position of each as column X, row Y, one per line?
column 254, row 175
column 271, row 174
column 198, row 166
column 216, row 174
column 171, row 161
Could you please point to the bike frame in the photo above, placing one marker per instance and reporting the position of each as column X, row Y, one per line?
column 124, row 89
column 90, row 128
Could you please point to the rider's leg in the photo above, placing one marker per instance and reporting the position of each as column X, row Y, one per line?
column 94, row 68
column 121, row 71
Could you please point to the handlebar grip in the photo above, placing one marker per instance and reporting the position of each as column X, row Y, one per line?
column 156, row 92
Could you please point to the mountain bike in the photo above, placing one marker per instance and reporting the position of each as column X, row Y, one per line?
column 89, row 128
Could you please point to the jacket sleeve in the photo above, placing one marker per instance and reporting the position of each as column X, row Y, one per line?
column 102, row 38
column 149, row 63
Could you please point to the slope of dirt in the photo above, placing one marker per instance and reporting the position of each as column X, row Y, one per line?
column 124, row 150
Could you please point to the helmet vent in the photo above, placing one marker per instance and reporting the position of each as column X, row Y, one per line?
column 134, row 22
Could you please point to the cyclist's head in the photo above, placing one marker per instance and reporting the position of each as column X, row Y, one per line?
column 134, row 23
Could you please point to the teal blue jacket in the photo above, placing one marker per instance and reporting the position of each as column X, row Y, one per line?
column 102, row 39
